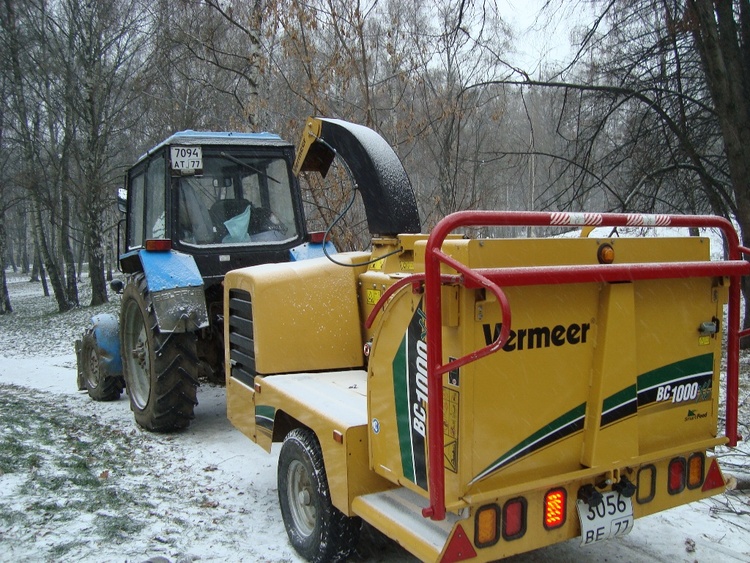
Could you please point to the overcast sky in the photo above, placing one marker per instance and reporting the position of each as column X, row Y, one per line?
column 542, row 36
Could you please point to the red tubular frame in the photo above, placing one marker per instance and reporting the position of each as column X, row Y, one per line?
column 734, row 268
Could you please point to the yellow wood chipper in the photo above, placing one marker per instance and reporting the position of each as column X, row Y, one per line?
column 474, row 398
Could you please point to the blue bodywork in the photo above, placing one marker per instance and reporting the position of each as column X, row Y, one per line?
column 311, row 250
column 106, row 329
column 169, row 270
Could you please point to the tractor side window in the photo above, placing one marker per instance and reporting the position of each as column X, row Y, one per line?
column 135, row 218
column 155, row 206
column 280, row 195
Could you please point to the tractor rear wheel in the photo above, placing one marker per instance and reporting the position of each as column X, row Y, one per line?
column 98, row 382
column 159, row 369
column 317, row 529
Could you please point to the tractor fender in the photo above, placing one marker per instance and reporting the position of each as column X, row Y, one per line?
column 105, row 329
column 176, row 289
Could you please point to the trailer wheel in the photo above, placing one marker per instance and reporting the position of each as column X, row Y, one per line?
column 159, row 369
column 98, row 382
column 317, row 529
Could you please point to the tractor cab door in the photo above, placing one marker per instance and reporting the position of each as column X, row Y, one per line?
column 146, row 202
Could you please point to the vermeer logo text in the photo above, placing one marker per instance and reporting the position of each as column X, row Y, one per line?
column 539, row 337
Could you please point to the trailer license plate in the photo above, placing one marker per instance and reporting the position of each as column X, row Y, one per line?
column 613, row 517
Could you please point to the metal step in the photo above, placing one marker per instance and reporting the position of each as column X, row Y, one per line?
column 398, row 514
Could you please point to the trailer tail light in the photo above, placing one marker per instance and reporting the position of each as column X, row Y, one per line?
column 646, row 484
column 677, row 475
column 514, row 518
column 487, row 526
column 696, row 466
column 555, row 508
column 158, row 244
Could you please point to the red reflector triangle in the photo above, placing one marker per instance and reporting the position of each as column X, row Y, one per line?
column 714, row 478
column 459, row 548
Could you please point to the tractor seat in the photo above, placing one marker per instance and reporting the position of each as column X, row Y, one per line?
column 225, row 209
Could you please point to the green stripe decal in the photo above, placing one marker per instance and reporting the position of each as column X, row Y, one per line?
column 565, row 425
column 656, row 385
column 400, row 391
column 264, row 416
column 626, row 402
column 620, row 405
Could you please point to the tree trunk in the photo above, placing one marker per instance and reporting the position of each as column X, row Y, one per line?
column 55, row 277
column 96, row 257
column 71, row 289
column 4, row 295
column 38, row 270
column 36, row 262
column 718, row 42
column 24, row 251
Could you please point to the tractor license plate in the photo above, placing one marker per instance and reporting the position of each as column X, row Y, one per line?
column 613, row 517
column 186, row 159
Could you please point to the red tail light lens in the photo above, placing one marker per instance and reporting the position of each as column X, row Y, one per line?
column 514, row 518
column 677, row 475
column 317, row 237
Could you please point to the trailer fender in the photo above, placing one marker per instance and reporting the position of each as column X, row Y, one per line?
column 106, row 331
column 176, row 288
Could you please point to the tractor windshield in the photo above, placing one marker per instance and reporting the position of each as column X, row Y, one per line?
column 237, row 200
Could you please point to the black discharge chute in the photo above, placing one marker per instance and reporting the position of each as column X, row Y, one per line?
column 387, row 194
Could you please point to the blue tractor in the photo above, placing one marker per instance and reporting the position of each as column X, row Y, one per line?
column 197, row 205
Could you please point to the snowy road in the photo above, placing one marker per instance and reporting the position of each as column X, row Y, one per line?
column 226, row 501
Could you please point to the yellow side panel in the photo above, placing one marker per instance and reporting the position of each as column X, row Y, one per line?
column 241, row 408
column 573, row 389
column 305, row 314
column 397, row 411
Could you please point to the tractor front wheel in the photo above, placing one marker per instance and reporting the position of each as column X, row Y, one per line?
column 159, row 369
column 316, row 529
column 99, row 383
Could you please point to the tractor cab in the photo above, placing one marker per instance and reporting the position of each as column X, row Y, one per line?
column 196, row 205
column 227, row 199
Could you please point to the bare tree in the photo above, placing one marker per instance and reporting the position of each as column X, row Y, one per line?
column 24, row 43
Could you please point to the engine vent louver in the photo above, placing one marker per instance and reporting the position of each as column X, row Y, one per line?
column 241, row 344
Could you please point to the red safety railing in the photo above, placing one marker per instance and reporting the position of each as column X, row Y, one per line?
column 734, row 268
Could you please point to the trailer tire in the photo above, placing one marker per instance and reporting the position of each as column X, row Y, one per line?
column 159, row 368
column 98, row 382
column 317, row 530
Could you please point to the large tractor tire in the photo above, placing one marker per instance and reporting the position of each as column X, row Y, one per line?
column 159, row 369
column 317, row 529
column 99, row 383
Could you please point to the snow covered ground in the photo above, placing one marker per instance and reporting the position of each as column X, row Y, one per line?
column 79, row 481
